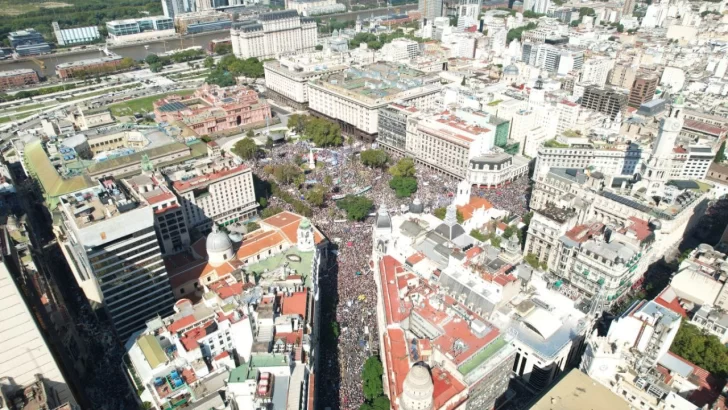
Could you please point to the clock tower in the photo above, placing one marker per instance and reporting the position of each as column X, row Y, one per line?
column 655, row 171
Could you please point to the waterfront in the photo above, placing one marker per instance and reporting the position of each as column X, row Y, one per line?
column 138, row 51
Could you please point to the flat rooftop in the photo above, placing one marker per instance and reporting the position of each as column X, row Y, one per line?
column 99, row 203
column 577, row 391
column 17, row 71
column 90, row 61
column 202, row 175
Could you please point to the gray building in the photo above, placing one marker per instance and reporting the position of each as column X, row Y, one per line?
column 78, row 35
column 430, row 8
column 392, row 129
column 604, row 100
column 109, row 239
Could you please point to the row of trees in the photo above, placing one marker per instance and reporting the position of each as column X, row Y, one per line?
column 156, row 62
column 229, row 67
column 371, row 376
column 34, row 93
column 376, row 42
column 516, row 32
column 321, row 132
column 356, row 207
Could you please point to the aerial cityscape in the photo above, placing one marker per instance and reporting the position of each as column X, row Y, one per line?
column 371, row 205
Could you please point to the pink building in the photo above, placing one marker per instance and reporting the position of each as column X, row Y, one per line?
column 212, row 109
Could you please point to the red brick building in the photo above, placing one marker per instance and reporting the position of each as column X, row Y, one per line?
column 17, row 78
column 103, row 64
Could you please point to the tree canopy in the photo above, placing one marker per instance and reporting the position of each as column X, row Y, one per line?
column 374, row 158
column 245, row 148
column 405, row 167
column 704, row 350
column 284, row 174
column 441, row 212
column 230, row 67
column 316, row 195
column 403, row 187
column 720, row 155
column 371, row 376
column 223, row 49
column 516, row 32
column 357, row 207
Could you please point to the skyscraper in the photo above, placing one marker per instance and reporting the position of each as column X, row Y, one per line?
column 603, row 100
column 643, row 89
column 429, row 9
column 628, row 8
column 109, row 240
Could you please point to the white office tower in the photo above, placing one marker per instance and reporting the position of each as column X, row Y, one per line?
column 26, row 359
column 498, row 41
column 537, row 6
column 109, row 240
column 172, row 8
column 429, row 9
column 274, row 33
column 655, row 171
column 468, row 15
column 655, row 16
column 596, row 70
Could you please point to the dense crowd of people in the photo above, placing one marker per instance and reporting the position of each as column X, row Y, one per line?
column 347, row 285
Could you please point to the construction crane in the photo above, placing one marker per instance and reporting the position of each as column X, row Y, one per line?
column 40, row 63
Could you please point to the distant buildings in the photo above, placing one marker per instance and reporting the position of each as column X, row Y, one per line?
column 429, row 9
column 28, row 42
column 314, row 7
column 273, row 33
column 144, row 28
column 202, row 21
column 213, row 109
column 18, row 78
column 90, row 66
column 71, row 36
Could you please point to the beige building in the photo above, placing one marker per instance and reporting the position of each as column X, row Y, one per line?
column 622, row 75
column 273, row 34
column 287, row 78
column 353, row 97
column 213, row 191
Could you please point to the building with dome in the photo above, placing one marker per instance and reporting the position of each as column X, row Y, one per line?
column 510, row 73
column 219, row 247
column 418, row 389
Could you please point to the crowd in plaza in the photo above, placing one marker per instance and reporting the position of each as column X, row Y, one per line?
column 347, row 285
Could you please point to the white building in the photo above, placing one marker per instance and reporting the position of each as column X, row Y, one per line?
column 537, row 6
column 273, row 34
column 287, row 78
column 213, row 191
column 596, row 70
column 400, row 49
column 352, row 101
column 108, row 238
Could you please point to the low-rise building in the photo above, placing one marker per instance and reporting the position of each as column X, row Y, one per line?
column 90, row 66
column 78, row 35
column 213, row 109
column 145, row 28
column 202, row 21
column 18, row 78
column 28, row 42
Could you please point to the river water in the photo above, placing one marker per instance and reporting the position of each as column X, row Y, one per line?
column 138, row 51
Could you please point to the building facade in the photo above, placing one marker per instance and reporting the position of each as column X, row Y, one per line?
column 78, row 35
column 643, row 89
column 605, row 101
column 94, row 65
column 213, row 191
column 108, row 238
column 18, row 78
column 273, row 34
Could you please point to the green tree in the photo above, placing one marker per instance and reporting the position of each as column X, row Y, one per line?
column 269, row 143
column 335, row 329
column 268, row 212
column 328, row 180
column 527, row 218
column 720, row 155
column 245, row 148
column 252, row 226
column 287, row 173
column 220, row 77
column 381, row 403
column 478, row 235
column 532, row 260
column 704, row 350
column 403, row 187
column 495, row 241
column 209, row 62
column 152, row 59
column 322, row 132
column 263, row 202
column 516, row 32
column 586, row 11
column 319, row 47
column 405, row 167
column 356, row 207
column 371, row 376
column 374, row 158
column 316, row 195
column 250, row 133
column 223, row 49
column 297, row 122
column 509, row 231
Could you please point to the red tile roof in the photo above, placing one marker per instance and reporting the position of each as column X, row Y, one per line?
column 395, row 308
column 181, row 323
column 709, row 386
column 397, row 360
column 295, row 304
column 206, row 179
column 669, row 299
column 475, row 203
column 415, row 258
column 446, row 387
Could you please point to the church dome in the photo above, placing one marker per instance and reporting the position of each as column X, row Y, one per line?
column 417, row 207
column 219, row 247
column 510, row 69
column 417, row 389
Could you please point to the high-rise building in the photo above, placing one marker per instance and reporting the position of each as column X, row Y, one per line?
column 622, row 75
column 604, row 100
column 271, row 34
column 628, row 8
column 108, row 237
column 596, row 70
column 536, row 6
column 429, row 9
column 172, row 8
column 26, row 357
column 643, row 89
column 213, row 190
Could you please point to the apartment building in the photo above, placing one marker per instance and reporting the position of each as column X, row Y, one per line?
column 349, row 99
column 287, row 77
column 18, row 78
column 622, row 75
column 604, row 100
column 596, row 70
column 272, row 34
column 623, row 158
column 401, row 49
column 109, row 240
column 643, row 89
column 213, row 192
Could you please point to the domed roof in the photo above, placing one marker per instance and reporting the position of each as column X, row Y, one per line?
column 416, row 207
column 217, row 242
column 235, row 237
column 510, row 69
column 418, row 389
